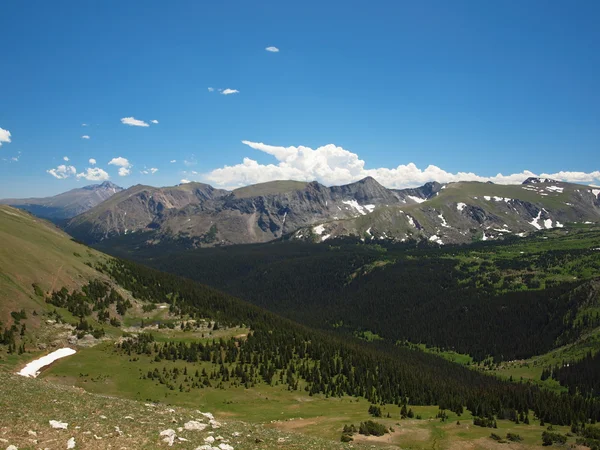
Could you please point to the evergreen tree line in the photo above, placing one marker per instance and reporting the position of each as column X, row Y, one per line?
column 96, row 296
column 582, row 376
column 422, row 297
column 329, row 364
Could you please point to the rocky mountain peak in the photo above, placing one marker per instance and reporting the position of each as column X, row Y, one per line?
column 537, row 180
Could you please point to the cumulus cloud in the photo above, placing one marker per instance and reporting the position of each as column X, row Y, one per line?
column 84, row 124
column 333, row 165
column 65, row 158
column 173, row 161
column 123, row 164
column 93, row 174
column 132, row 121
column 184, row 181
column 92, row 161
column 154, row 121
column 210, row 89
column 272, row 49
column 85, row 136
column 229, row 91
column 4, row 136
column 63, row 171
column 150, row 171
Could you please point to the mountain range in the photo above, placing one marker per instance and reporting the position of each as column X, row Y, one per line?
column 68, row 204
column 199, row 215
column 461, row 212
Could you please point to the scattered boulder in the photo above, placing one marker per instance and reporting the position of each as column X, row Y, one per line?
column 11, row 447
column 59, row 425
column 209, row 440
column 71, row 443
column 169, row 436
column 225, row 447
column 194, row 425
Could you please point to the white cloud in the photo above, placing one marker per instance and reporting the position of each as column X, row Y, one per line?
column 123, row 164
column 229, row 91
column 63, row 171
column 4, row 136
column 333, row 165
column 210, row 89
column 154, row 121
column 84, row 124
column 92, row 161
column 132, row 121
column 173, row 161
column 120, row 162
column 65, row 158
column 85, row 136
column 184, row 181
column 272, row 49
column 150, row 171
column 94, row 174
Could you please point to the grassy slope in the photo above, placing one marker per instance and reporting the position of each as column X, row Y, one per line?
column 101, row 370
column 35, row 251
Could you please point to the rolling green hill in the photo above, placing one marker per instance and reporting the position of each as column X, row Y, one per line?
column 34, row 251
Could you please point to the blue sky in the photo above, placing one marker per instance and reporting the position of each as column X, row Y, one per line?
column 357, row 88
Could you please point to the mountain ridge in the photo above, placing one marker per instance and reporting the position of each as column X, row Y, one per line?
column 460, row 212
column 67, row 204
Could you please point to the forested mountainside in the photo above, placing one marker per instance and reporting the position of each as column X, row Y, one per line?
column 510, row 299
column 68, row 204
column 197, row 215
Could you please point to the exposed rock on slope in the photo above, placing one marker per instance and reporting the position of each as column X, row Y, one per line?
column 200, row 215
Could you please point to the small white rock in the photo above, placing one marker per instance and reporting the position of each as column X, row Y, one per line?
column 59, row 425
column 209, row 440
column 194, row 425
column 71, row 443
column 11, row 447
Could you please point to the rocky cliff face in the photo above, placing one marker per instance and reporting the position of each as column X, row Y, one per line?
column 454, row 213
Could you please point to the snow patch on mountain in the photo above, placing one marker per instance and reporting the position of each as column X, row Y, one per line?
column 354, row 204
column 460, row 206
column 444, row 223
column 319, row 229
column 535, row 223
column 416, row 199
column 435, row 238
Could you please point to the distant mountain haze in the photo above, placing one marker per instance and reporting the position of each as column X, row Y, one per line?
column 68, row 204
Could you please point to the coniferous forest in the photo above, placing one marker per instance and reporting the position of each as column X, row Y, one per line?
column 329, row 364
column 474, row 300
